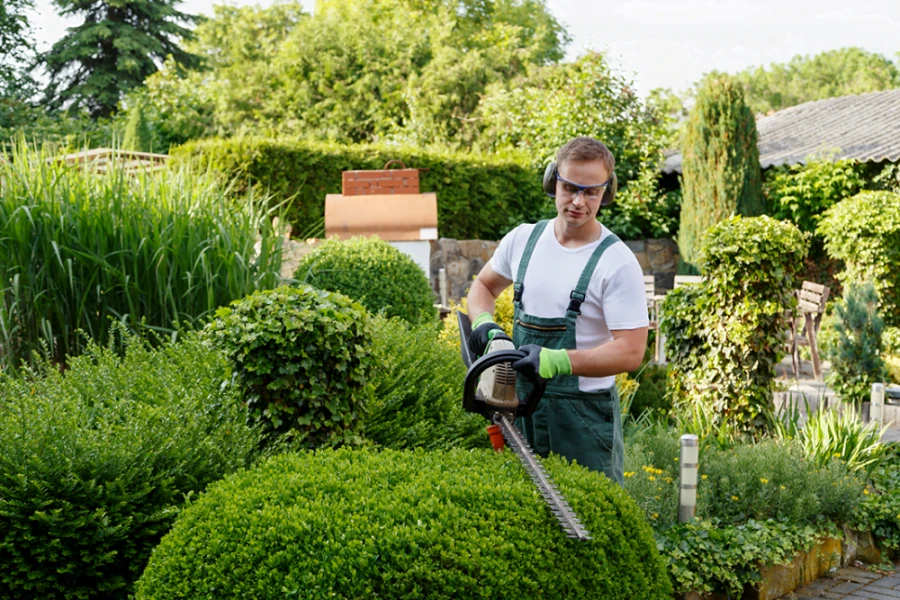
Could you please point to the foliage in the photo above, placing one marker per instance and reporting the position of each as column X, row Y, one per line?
column 764, row 480
column 802, row 192
column 707, row 556
column 650, row 395
column 480, row 196
column 880, row 509
column 725, row 336
column 18, row 45
column 372, row 272
column 416, row 385
column 78, row 248
column 829, row 74
column 357, row 524
column 112, row 51
column 352, row 73
column 137, row 131
column 864, row 232
column 642, row 211
column 97, row 461
column 721, row 174
column 556, row 103
column 855, row 356
column 301, row 359
column 829, row 435
column 504, row 309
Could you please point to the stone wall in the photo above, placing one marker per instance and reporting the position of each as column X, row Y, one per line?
column 463, row 259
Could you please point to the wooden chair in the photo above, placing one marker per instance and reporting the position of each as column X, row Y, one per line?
column 805, row 322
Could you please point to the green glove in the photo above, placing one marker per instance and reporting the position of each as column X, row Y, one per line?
column 545, row 362
column 483, row 331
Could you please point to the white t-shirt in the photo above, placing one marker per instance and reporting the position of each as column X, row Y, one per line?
column 615, row 296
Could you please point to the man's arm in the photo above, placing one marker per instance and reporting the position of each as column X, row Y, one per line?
column 623, row 354
column 484, row 291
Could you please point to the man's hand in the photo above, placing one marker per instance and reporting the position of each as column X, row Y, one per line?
column 483, row 331
column 544, row 362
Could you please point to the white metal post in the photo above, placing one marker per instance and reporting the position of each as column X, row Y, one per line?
column 442, row 286
column 876, row 406
column 687, row 485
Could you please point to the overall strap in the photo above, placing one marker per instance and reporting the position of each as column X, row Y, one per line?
column 518, row 286
column 580, row 292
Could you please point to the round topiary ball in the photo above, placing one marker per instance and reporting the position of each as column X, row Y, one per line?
column 440, row 525
column 374, row 273
column 301, row 358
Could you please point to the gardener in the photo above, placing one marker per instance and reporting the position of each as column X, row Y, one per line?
column 580, row 311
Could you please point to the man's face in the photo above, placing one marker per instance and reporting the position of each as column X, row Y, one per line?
column 578, row 209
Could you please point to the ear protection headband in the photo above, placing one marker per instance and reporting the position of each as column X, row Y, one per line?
column 609, row 194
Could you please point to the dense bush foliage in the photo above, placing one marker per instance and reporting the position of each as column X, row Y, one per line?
column 720, row 158
column 725, row 336
column 94, row 463
column 864, row 232
column 301, row 358
column 78, row 248
column 650, row 395
column 372, row 272
column 802, row 192
column 880, row 508
column 356, row 524
column 554, row 104
column 417, row 382
column 856, row 352
column 480, row 196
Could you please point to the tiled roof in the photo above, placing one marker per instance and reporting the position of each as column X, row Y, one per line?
column 865, row 128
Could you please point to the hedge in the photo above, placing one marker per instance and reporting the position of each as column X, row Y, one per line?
column 479, row 196
column 405, row 525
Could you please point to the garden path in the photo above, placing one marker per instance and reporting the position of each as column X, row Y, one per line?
column 851, row 583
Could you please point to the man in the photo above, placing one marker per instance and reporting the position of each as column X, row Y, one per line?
column 580, row 313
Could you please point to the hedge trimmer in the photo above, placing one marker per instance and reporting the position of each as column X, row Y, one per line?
column 490, row 390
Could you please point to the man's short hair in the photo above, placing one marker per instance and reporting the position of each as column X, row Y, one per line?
column 584, row 149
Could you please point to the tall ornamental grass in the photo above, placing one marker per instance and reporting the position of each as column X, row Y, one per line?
column 78, row 248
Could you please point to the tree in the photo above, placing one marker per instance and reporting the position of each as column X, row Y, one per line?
column 826, row 75
column 720, row 159
column 119, row 44
column 364, row 70
column 138, row 135
column 17, row 44
column 553, row 104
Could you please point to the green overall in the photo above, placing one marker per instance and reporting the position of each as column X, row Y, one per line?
column 582, row 426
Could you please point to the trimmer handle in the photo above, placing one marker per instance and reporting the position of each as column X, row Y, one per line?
column 471, row 401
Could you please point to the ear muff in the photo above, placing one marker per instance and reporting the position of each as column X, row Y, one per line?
column 549, row 185
column 550, row 179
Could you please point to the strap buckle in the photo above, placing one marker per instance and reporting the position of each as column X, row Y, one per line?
column 575, row 300
column 517, row 292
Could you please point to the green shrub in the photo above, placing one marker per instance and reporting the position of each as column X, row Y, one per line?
column 765, row 480
column 864, row 232
column 78, row 248
column 417, row 382
column 880, row 508
column 828, row 435
column 301, row 359
column 650, row 395
column 95, row 462
column 801, row 193
column 725, row 337
column 372, row 272
column 721, row 166
column 358, row 524
column 855, row 354
column 480, row 196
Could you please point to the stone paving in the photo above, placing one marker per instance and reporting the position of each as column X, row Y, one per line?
column 851, row 583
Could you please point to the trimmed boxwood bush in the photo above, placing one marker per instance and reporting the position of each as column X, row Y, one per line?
column 417, row 382
column 372, row 272
column 480, row 196
column 864, row 232
column 402, row 525
column 301, row 358
column 95, row 463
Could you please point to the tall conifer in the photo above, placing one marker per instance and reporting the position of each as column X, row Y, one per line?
column 720, row 165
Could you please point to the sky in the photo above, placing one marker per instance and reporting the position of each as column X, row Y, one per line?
column 672, row 43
